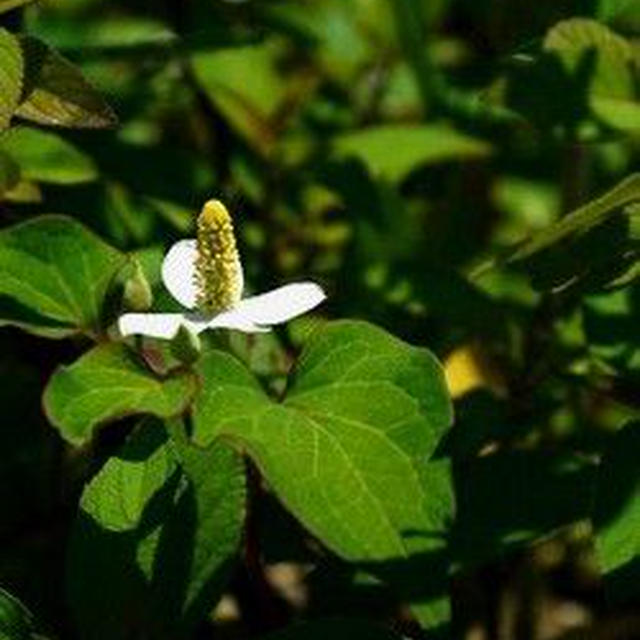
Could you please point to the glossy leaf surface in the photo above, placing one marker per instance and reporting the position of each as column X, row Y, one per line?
column 348, row 450
column 54, row 276
column 107, row 383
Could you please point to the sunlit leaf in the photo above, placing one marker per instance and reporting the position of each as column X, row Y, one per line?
column 119, row 495
column 612, row 88
column 56, row 93
column 617, row 514
column 355, row 472
column 23, row 191
column 11, row 76
column 7, row 5
column 392, row 151
column 157, row 531
column 571, row 39
column 251, row 106
column 340, row 31
column 107, row 383
column 56, row 274
column 618, row 113
column 46, row 157
column 104, row 33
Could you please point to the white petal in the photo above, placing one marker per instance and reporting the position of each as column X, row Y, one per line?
column 281, row 304
column 159, row 325
column 235, row 319
column 178, row 272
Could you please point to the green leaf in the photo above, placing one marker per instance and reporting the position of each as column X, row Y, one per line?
column 7, row 5
column 230, row 393
column 123, row 33
column 250, row 107
column 118, row 496
column 335, row 628
column 16, row 622
column 46, row 157
column 107, row 383
column 618, row 113
column 56, row 93
column 613, row 81
column 23, row 191
column 610, row 322
column 341, row 32
column 608, row 9
column 353, row 470
column 158, row 529
column 219, row 501
column 11, row 75
column 571, row 39
column 590, row 249
column 54, row 275
column 9, row 173
column 617, row 515
column 393, row 151
column 581, row 220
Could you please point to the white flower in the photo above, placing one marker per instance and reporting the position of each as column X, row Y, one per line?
column 205, row 276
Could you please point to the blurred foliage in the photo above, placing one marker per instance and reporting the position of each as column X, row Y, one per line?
column 460, row 173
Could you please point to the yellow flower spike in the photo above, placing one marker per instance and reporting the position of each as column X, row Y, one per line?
column 218, row 273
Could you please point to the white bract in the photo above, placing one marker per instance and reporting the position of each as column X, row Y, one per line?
column 205, row 276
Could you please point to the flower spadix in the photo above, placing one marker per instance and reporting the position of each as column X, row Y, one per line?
column 205, row 276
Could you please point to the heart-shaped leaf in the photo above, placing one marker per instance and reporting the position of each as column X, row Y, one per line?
column 54, row 275
column 107, row 383
column 348, row 451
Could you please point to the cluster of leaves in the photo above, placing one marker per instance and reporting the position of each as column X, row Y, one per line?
column 486, row 210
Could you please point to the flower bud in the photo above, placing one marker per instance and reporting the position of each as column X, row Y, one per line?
column 185, row 346
column 137, row 295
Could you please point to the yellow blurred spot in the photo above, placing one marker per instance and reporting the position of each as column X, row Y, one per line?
column 466, row 369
